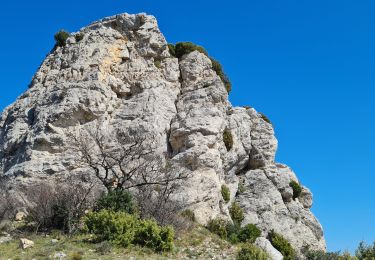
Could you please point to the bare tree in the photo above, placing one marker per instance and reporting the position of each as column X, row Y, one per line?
column 122, row 160
column 157, row 202
column 60, row 206
column 129, row 160
column 8, row 204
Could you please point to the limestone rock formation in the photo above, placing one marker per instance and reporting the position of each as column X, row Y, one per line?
column 122, row 76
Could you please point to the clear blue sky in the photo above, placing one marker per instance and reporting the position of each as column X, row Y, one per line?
column 308, row 65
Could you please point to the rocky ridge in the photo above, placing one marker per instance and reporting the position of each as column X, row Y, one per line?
column 121, row 75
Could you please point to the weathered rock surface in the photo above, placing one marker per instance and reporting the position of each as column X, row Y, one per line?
column 113, row 77
column 26, row 243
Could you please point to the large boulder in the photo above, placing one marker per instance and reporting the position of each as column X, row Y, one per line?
column 122, row 76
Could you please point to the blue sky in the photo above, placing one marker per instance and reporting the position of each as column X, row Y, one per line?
column 308, row 65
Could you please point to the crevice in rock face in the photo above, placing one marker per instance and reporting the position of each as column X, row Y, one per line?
column 31, row 117
column 255, row 160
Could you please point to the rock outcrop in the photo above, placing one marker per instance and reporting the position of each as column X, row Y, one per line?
column 122, row 75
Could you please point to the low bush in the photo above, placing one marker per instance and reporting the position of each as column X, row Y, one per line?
column 225, row 193
column 117, row 200
column 265, row 118
column 79, row 37
column 183, row 48
column 188, row 214
column 172, row 49
column 321, row 255
column 123, row 229
column 216, row 66
column 233, row 230
column 249, row 233
column 58, row 207
column 157, row 64
column 61, row 37
column 150, row 235
column 365, row 251
column 218, row 227
column 251, row 252
column 236, row 213
column 297, row 189
column 228, row 139
column 282, row 245
column 76, row 256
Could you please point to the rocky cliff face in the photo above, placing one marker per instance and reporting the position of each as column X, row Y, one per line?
column 122, row 75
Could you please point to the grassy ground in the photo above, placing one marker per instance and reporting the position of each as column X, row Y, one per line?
column 197, row 243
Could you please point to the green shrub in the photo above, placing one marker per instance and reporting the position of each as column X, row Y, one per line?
column 320, row 255
column 233, row 230
column 251, row 252
column 157, row 64
column 188, row 214
column 236, row 213
column 79, row 37
column 218, row 227
column 183, row 48
column 225, row 193
column 265, row 118
column 228, row 139
column 216, row 66
column 172, row 49
column 117, row 200
column 365, row 252
column 249, row 233
column 297, row 189
column 61, row 37
column 282, row 245
column 150, row 235
column 123, row 229
column 76, row 256
column 116, row 227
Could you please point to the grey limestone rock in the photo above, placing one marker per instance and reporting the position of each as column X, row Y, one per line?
column 122, row 76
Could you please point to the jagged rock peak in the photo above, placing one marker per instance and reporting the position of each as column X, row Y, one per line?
column 120, row 75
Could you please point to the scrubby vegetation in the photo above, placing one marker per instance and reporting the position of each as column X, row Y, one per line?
column 365, row 252
column 79, row 37
column 251, row 252
column 265, row 118
column 218, row 227
column 61, row 37
column 188, row 214
column 233, row 232
column 297, row 189
column 228, row 139
column 124, row 229
column 216, row 66
column 172, row 49
column 236, row 213
column 282, row 245
column 249, row 233
column 157, row 64
column 117, row 200
column 183, row 48
column 225, row 193
column 320, row 255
